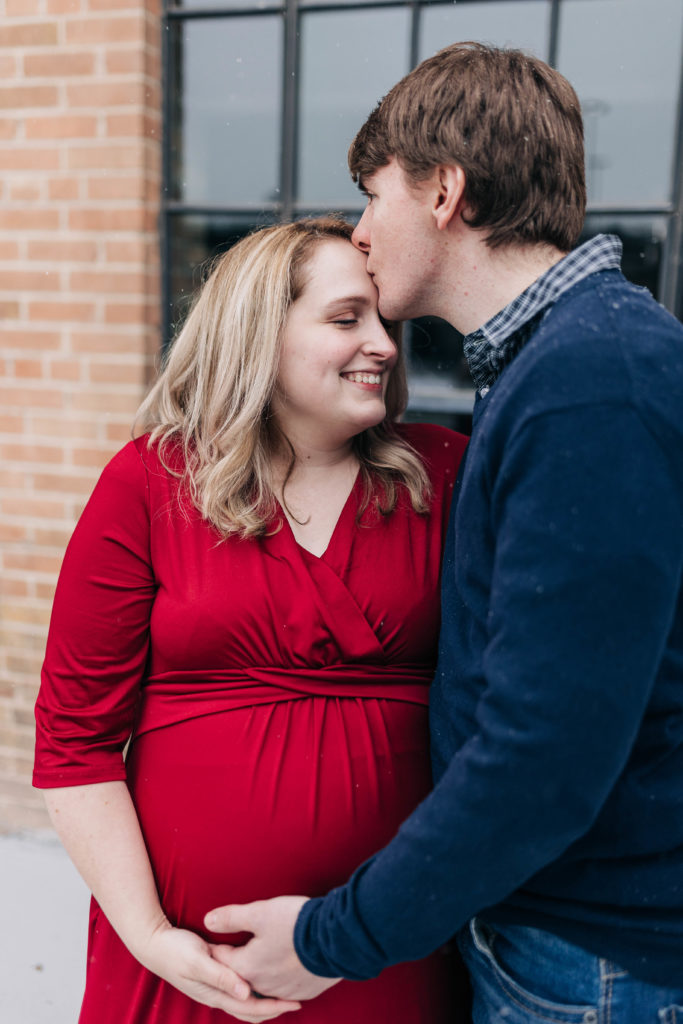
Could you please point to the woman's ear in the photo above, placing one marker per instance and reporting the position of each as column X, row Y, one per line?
column 450, row 194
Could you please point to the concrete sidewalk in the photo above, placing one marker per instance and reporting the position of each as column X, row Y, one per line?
column 44, row 909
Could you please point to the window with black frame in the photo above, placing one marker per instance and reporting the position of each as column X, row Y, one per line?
column 262, row 100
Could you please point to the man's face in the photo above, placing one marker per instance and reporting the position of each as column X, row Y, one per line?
column 397, row 233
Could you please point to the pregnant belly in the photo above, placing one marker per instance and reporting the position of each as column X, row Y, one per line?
column 275, row 799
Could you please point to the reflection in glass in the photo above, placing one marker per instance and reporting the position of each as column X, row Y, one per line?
column 226, row 123
column 194, row 242
column 461, row 421
column 524, row 25
column 643, row 239
column 623, row 59
column 439, row 379
column 349, row 60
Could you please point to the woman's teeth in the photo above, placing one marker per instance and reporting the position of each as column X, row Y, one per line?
column 364, row 378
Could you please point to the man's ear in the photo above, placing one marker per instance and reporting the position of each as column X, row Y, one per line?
column 450, row 194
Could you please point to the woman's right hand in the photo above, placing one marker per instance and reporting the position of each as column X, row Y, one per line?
column 185, row 960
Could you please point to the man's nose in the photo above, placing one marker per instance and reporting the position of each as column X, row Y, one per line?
column 361, row 235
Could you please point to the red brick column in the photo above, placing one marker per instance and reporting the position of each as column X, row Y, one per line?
column 80, row 159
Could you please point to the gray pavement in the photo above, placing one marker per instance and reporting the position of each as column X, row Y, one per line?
column 44, row 909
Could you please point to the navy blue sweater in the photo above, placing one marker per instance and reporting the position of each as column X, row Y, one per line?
column 557, row 710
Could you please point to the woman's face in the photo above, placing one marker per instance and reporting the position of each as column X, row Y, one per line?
column 336, row 355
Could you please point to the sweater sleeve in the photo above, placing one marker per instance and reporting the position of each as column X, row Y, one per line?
column 586, row 514
column 98, row 638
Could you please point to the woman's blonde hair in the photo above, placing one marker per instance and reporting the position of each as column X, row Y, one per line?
column 212, row 398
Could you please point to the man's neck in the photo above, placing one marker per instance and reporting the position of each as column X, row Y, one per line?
column 487, row 280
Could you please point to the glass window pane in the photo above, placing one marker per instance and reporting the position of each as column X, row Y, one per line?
column 525, row 25
column 623, row 59
column 461, row 421
column 348, row 62
column 643, row 239
column 194, row 241
column 438, row 377
column 227, row 110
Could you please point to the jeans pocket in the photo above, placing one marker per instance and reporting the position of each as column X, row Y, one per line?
column 671, row 1015
column 499, row 996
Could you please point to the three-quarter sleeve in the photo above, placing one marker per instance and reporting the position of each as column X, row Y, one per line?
column 99, row 632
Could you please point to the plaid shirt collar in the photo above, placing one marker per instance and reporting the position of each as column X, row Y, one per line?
column 492, row 347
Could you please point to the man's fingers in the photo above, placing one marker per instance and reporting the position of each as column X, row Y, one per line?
column 229, row 957
column 234, row 918
column 220, row 975
column 224, row 954
column 252, row 1006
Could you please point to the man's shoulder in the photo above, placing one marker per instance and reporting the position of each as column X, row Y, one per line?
column 604, row 342
column 605, row 338
column 608, row 300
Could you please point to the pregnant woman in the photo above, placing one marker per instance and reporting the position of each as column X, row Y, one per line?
column 252, row 594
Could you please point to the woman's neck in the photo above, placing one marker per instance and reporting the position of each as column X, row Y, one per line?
column 312, row 456
column 313, row 491
column 311, row 463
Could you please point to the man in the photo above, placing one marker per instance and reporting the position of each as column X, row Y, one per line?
column 552, row 842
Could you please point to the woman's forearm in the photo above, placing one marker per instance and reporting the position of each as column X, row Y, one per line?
column 99, row 828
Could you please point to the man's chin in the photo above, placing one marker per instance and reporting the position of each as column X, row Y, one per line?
column 392, row 309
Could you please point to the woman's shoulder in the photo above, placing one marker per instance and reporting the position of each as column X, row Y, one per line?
column 132, row 459
column 439, row 447
column 139, row 462
column 135, row 487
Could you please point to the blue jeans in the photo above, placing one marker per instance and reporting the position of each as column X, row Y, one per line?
column 525, row 976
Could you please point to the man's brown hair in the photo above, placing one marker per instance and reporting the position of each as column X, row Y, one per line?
column 509, row 120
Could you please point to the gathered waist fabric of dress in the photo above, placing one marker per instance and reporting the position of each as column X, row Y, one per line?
column 173, row 697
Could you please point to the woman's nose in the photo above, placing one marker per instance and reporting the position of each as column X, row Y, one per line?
column 379, row 343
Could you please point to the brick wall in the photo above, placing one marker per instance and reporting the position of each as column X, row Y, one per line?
column 79, row 304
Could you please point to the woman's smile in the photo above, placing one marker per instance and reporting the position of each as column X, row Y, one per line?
column 333, row 334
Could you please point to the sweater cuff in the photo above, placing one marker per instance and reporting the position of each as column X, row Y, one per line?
column 318, row 926
column 310, row 957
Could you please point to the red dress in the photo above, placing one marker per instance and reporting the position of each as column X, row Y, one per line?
column 279, row 708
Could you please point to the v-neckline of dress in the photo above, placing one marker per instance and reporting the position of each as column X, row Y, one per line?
column 348, row 508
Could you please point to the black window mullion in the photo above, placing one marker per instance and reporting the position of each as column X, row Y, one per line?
column 290, row 110
column 415, row 34
column 175, row 13
column 553, row 32
column 167, row 86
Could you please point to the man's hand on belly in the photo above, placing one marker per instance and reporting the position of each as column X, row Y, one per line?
column 268, row 961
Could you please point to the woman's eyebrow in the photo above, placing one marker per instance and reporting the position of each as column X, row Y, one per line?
column 348, row 300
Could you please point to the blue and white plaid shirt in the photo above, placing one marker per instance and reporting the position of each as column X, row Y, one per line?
column 492, row 347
